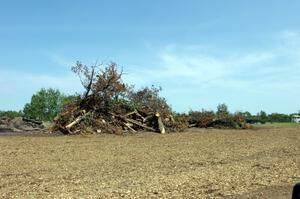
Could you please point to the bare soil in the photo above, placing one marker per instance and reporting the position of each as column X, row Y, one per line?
column 200, row 163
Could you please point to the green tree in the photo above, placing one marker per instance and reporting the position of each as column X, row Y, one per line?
column 279, row 117
column 46, row 104
column 11, row 114
column 263, row 117
column 222, row 110
column 247, row 115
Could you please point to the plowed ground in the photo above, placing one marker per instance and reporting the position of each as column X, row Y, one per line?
column 199, row 163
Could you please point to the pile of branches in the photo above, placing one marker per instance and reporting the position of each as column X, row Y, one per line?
column 209, row 119
column 110, row 106
column 20, row 124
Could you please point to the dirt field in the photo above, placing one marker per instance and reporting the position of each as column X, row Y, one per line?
column 261, row 163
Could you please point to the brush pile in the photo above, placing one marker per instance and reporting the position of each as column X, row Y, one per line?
column 21, row 124
column 110, row 106
column 209, row 119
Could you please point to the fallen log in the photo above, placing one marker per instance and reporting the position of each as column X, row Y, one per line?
column 128, row 120
column 192, row 125
column 140, row 124
column 161, row 126
column 129, row 127
column 77, row 120
column 32, row 121
column 131, row 113
column 147, row 118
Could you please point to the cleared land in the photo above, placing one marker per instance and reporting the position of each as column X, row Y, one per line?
column 260, row 163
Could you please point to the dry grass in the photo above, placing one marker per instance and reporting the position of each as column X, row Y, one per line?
column 195, row 164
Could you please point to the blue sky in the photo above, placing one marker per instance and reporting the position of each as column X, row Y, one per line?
column 242, row 53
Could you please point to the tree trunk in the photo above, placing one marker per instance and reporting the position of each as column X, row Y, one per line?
column 161, row 126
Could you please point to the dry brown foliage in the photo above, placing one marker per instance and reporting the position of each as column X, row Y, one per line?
column 110, row 106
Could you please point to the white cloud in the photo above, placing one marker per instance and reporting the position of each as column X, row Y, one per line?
column 266, row 78
column 61, row 60
column 192, row 66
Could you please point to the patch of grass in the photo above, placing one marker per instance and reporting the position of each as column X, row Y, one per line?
column 278, row 124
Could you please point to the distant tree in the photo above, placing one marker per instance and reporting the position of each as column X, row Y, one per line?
column 222, row 110
column 46, row 104
column 279, row 117
column 263, row 117
column 252, row 119
column 247, row 115
column 11, row 114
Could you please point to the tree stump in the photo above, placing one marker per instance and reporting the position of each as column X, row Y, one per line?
column 160, row 124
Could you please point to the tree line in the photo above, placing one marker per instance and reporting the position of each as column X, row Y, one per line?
column 47, row 103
